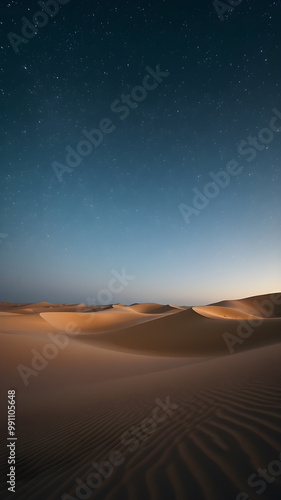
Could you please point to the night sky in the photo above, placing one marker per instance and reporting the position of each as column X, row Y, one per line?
column 200, row 94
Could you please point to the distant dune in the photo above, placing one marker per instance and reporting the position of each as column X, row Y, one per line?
column 88, row 378
column 224, row 312
column 254, row 305
column 150, row 308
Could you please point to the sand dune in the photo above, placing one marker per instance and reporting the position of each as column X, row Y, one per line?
column 224, row 312
column 257, row 305
column 101, row 321
column 150, row 308
column 99, row 392
column 197, row 331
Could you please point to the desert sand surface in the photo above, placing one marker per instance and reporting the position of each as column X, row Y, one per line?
column 188, row 397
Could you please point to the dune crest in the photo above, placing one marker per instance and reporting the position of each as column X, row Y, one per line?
column 224, row 312
column 151, row 308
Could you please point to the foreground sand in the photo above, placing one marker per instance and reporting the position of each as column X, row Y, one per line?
column 213, row 372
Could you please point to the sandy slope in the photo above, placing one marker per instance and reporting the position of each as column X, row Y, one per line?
column 255, row 305
column 104, row 383
column 225, row 312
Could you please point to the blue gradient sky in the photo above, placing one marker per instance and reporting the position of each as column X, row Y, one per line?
column 120, row 207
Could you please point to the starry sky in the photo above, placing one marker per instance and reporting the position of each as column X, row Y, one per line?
column 174, row 90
